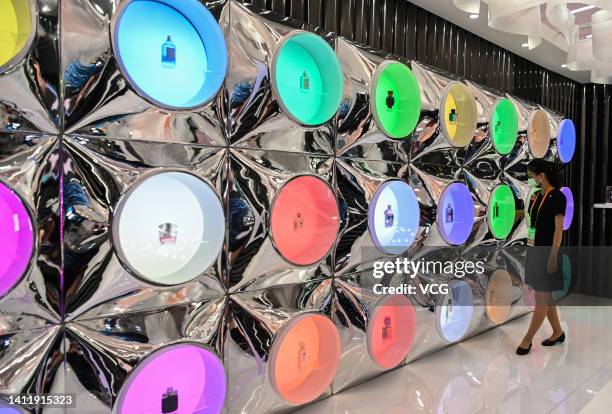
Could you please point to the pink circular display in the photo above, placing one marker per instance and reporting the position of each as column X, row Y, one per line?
column 182, row 379
column 569, row 207
column 17, row 238
column 391, row 331
column 305, row 220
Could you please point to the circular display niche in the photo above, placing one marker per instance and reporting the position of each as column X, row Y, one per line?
column 305, row 220
column 569, row 207
column 395, row 99
column 454, row 311
column 17, row 30
column 307, row 79
column 169, row 228
column 504, row 126
column 502, row 211
column 304, row 358
column 566, row 140
column 459, row 113
column 172, row 52
column 393, row 217
column 455, row 214
column 17, row 237
column 184, row 378
column 498, row 296
column 391, row 331
column 538, row 133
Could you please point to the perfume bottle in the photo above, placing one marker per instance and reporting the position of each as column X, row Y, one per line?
column 449, row 308
column 450, row 214
column 386, row 330
column 298, row 222
column 305, row 82
column 496, row 210
column 169, row 402
column 390, row 101
column 302, row 355
column 167, row 233
column 168, row 56
column 389, row 217
column 452, row 117
column 498, row 127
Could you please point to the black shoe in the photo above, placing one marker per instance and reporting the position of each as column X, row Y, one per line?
column 551, row 342
column 523, row 351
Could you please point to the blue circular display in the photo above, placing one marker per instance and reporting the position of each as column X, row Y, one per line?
column 172, row 52
column 566, row 140
column 393, row 217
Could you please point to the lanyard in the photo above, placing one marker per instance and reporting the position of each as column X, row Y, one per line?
column 539, row 208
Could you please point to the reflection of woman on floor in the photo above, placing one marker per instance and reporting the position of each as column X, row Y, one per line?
column 543, row 271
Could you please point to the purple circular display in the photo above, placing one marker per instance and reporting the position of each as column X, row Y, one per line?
column 182, row 379
column 17, row 239
column 569, row 207
column 455, row 214
column 566, row 140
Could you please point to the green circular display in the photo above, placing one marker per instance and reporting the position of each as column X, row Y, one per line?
column 504, row 126
column 502, row 211
column 307, row 78
column 395, row 99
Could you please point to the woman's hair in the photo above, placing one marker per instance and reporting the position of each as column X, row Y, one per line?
column 549, row 169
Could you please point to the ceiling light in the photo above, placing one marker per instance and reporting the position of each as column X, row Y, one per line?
column 525, row 45
column 473, row 16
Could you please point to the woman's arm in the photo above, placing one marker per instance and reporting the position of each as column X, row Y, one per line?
column 554, row 250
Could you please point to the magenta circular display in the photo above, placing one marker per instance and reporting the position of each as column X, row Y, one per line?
column 17, row 238
column 183, row 379
column 566, row 140
column 455, row 214
column 569, row 208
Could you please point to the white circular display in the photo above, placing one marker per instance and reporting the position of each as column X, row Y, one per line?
column 169, row 228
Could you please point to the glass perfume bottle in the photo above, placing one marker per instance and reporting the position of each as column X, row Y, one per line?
column 168, row 56
column 390, row 101
column 498, row 127
column 449, row 308
column 169, row 402
column 302, row 355
column 305, row 82
column 495, row 210
column 386, row 330
column 389, row 217
column 167, row 233
column 298, row 222
column 452, row 117
column 450, row 214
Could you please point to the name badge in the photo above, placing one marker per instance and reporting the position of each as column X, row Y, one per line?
column 531, row 236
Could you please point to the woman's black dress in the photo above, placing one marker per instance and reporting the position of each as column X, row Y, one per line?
column 543, row 219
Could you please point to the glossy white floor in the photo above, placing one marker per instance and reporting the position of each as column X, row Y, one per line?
column 483, row 374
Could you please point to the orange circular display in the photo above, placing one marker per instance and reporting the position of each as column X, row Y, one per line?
column 305, row 220
column 391, row 331
column 538, row 133
column 498, row 296
column 304, row 358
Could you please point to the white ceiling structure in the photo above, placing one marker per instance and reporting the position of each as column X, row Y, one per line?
column 570, row 38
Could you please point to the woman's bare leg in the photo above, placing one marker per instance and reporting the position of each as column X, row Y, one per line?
column 553, row 318
column 539, row 314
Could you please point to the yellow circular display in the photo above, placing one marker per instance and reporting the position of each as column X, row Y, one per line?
column 16, row 28
column 458, row 114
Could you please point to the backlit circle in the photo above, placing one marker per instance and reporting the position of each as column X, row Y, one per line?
column 569, row 207
column 17, row 236
column 458, row 114
column 393, row 217
column 184, row 378
column 304, row 358
column 502, row 211
column 498, row 296
column 454, row 311
column 172, row 52
column 395, row 99
column 307, row 78
column 17, row 30
column 304, row 220
column 504, row 126
column 538, row 133
column 169, row 228
column 455, row 216
column 566, row 140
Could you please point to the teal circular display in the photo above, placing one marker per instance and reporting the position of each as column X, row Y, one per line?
column 171, row 52
column 307, row 78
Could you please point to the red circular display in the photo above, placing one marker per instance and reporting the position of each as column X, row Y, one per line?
column 305, row 220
